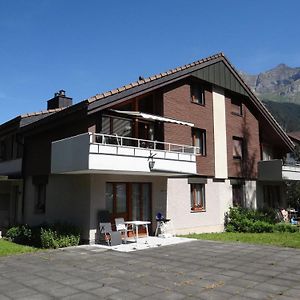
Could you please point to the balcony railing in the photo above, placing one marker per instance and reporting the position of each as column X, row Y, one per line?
column 114, row 154
column 106, row 139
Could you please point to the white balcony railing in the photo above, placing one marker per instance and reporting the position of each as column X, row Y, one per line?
column 106, row 139
column 102, row 152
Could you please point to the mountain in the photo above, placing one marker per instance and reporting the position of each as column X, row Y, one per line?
column 279, row 89
column 281, row 84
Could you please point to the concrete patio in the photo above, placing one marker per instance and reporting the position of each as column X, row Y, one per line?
column 145, row 243
column 194, row 270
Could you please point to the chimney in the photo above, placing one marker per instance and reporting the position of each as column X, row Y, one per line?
column 59, row 100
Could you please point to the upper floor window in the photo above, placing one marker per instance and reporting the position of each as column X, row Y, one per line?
column 237, row 147
column 236, row 107
column 267, row 152
column 199, row 140
column 197, row 94
column 116, row 126
column 198, row 197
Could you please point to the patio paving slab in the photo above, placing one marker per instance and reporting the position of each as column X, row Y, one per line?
column 193, row 270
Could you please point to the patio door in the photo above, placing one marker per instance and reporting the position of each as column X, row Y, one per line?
column 131, row 201
column 116, row 200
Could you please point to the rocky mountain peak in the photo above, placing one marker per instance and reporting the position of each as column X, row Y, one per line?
column 282, row 84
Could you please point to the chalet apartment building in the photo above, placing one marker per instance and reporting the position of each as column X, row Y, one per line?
column 188, row 143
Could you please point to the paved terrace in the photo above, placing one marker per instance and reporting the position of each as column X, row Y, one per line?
column 194, row 270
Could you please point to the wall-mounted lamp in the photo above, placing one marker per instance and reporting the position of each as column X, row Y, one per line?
column 151, row 161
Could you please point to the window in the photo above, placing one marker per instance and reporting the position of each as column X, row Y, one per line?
column 40, row 198
column 237, row 195
column 197, row 197
column 197, row 94
column 272, row 196
column 236, row 107
column 199, row 140
column 237, row 148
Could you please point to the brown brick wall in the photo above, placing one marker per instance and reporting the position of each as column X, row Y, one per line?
column 246, row 127
column 177, row 104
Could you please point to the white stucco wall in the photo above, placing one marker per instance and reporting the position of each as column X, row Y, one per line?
column 250, row 194
column 220, row 141
column 218, row 200
column 67, row 200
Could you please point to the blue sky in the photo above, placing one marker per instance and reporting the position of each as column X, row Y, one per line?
column 88, row 47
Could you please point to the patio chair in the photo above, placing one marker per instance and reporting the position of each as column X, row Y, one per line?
column 123, row 228
column 111, row 237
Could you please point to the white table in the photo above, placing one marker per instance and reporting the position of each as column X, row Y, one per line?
column 137, row 224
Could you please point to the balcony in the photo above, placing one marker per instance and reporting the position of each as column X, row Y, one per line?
column 101, row 153
column 11, row 167
column 276, row 170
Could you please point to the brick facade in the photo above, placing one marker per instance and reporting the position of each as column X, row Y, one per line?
column 246, row 127
column 177, row 104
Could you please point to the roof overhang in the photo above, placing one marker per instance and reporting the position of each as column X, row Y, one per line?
column 145, row 116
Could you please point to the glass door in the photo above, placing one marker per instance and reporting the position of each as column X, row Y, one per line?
column 140, row 202
column 131, row 201
column 116, row 200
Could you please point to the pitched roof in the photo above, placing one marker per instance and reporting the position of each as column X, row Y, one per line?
column 104, row 100
column 237, row 84
column 152, row 78
column 28, row 118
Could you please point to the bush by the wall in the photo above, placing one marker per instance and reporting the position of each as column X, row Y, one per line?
column 261, row 226
column 19, row 234
column 46, row 236
column 284, row 227
column 59, row 235
column 249, row 220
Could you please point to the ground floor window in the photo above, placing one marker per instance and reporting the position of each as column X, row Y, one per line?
column 40, row 198
column 198, row 197
column 238, row 195
column 129, row 200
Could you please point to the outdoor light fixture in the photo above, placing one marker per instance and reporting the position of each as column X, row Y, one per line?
column 151, row 161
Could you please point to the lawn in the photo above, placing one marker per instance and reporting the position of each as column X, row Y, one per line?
column 284, row 239
column 9, row 248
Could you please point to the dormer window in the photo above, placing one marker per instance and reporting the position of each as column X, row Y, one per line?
column 197, row 94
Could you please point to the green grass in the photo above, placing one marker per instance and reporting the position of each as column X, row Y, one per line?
column 284, row 239
column 9, row 248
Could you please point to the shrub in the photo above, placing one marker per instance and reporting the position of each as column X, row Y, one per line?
column 261, row 226
column 19, row 234
column 54, row 238
column 284, row 227
column 46, row 236
column 248, row 220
